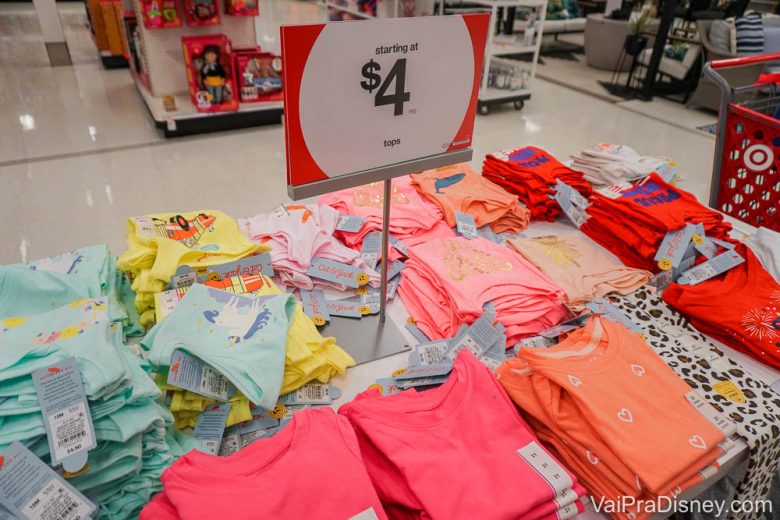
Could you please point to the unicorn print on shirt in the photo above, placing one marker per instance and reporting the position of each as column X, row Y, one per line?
column 240, row 326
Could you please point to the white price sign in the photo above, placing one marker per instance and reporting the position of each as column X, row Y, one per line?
column 367, row 96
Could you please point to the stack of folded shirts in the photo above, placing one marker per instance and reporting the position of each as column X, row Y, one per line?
column 492, row 463
column 722, row 381
column 581, row 268
column 608, row 407
column 606, row 164
column 298, row 235
column 631, row 220
column 159, row 244
column 308, row 356
column 740, row 307
column 447, row 282
column 413, row 218
column 263, row 346
column 531, row 174
column 458, row 188
column 316, row 443
column 130, row 427
column 48, row 283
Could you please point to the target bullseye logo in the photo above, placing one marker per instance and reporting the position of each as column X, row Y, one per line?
column 758, row 157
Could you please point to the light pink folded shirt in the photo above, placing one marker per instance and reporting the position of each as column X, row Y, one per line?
column 451, row 452
column 296, row 238
column 311, row 469
column 448, row 281
column 579, row 267
column 411, row 214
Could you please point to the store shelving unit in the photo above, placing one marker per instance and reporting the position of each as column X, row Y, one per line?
column 162, row 61
column 185, row 120
column 501, row 47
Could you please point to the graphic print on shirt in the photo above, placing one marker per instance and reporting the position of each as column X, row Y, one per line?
column 528, row 158
column 446, row 182
column 64, row 263
column 463, row 260
column 625, row 415
column 240, row 325
column 763, row 324
column 186, row 232
column 92, row 310
column 373, row 195
column 559, row 251
column 650, row 194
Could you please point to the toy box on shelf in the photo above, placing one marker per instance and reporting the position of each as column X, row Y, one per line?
column 161, row 14
column 210, row 76
column 259, row 75
column 201, row 12
column 241, row 8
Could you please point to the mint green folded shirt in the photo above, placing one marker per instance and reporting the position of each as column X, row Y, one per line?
column 81, row 329
column 89, row 272
column 242, row 337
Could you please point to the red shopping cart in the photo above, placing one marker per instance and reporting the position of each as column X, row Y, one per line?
column 745, row 179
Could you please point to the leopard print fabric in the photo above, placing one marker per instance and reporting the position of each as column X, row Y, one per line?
column 750, row 403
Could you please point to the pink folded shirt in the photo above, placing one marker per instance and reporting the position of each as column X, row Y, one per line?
column 298, row 236
column 311, row 469
column 462, row 275
column 451, row 452
column 411, row 214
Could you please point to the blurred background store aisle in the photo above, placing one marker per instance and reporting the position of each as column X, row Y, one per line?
column 79, row 152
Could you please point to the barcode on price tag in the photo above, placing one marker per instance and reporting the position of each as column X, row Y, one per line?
column 70, row 429
column 315, row 393
column 31, row 489
column 190, row 373
column 56, row 502
column 546, row 466
column 64, row 406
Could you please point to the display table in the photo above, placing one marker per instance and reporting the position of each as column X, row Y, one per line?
column 358, row 379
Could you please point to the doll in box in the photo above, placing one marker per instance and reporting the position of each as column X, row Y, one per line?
column 209, row 63
column 212, row 74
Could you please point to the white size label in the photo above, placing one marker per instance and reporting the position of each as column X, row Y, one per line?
column 56, row 502
column 546, row 467
column 71, row 430
column 720, row 421
column 144, row 227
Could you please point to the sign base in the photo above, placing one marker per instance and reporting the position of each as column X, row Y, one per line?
column 366, row 339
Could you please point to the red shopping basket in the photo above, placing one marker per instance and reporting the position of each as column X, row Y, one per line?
column 745, row 179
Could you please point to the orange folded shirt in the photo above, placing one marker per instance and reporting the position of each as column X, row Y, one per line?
column 620, row 415
column 458, row 188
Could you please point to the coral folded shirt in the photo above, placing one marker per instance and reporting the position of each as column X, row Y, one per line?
column 452, row 452
column 311, row 469
column 458, row 188
column 620, row 391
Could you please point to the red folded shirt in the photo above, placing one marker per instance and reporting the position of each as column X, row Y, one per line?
column 531, row 174
column 631, row 220
column 740, row 307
